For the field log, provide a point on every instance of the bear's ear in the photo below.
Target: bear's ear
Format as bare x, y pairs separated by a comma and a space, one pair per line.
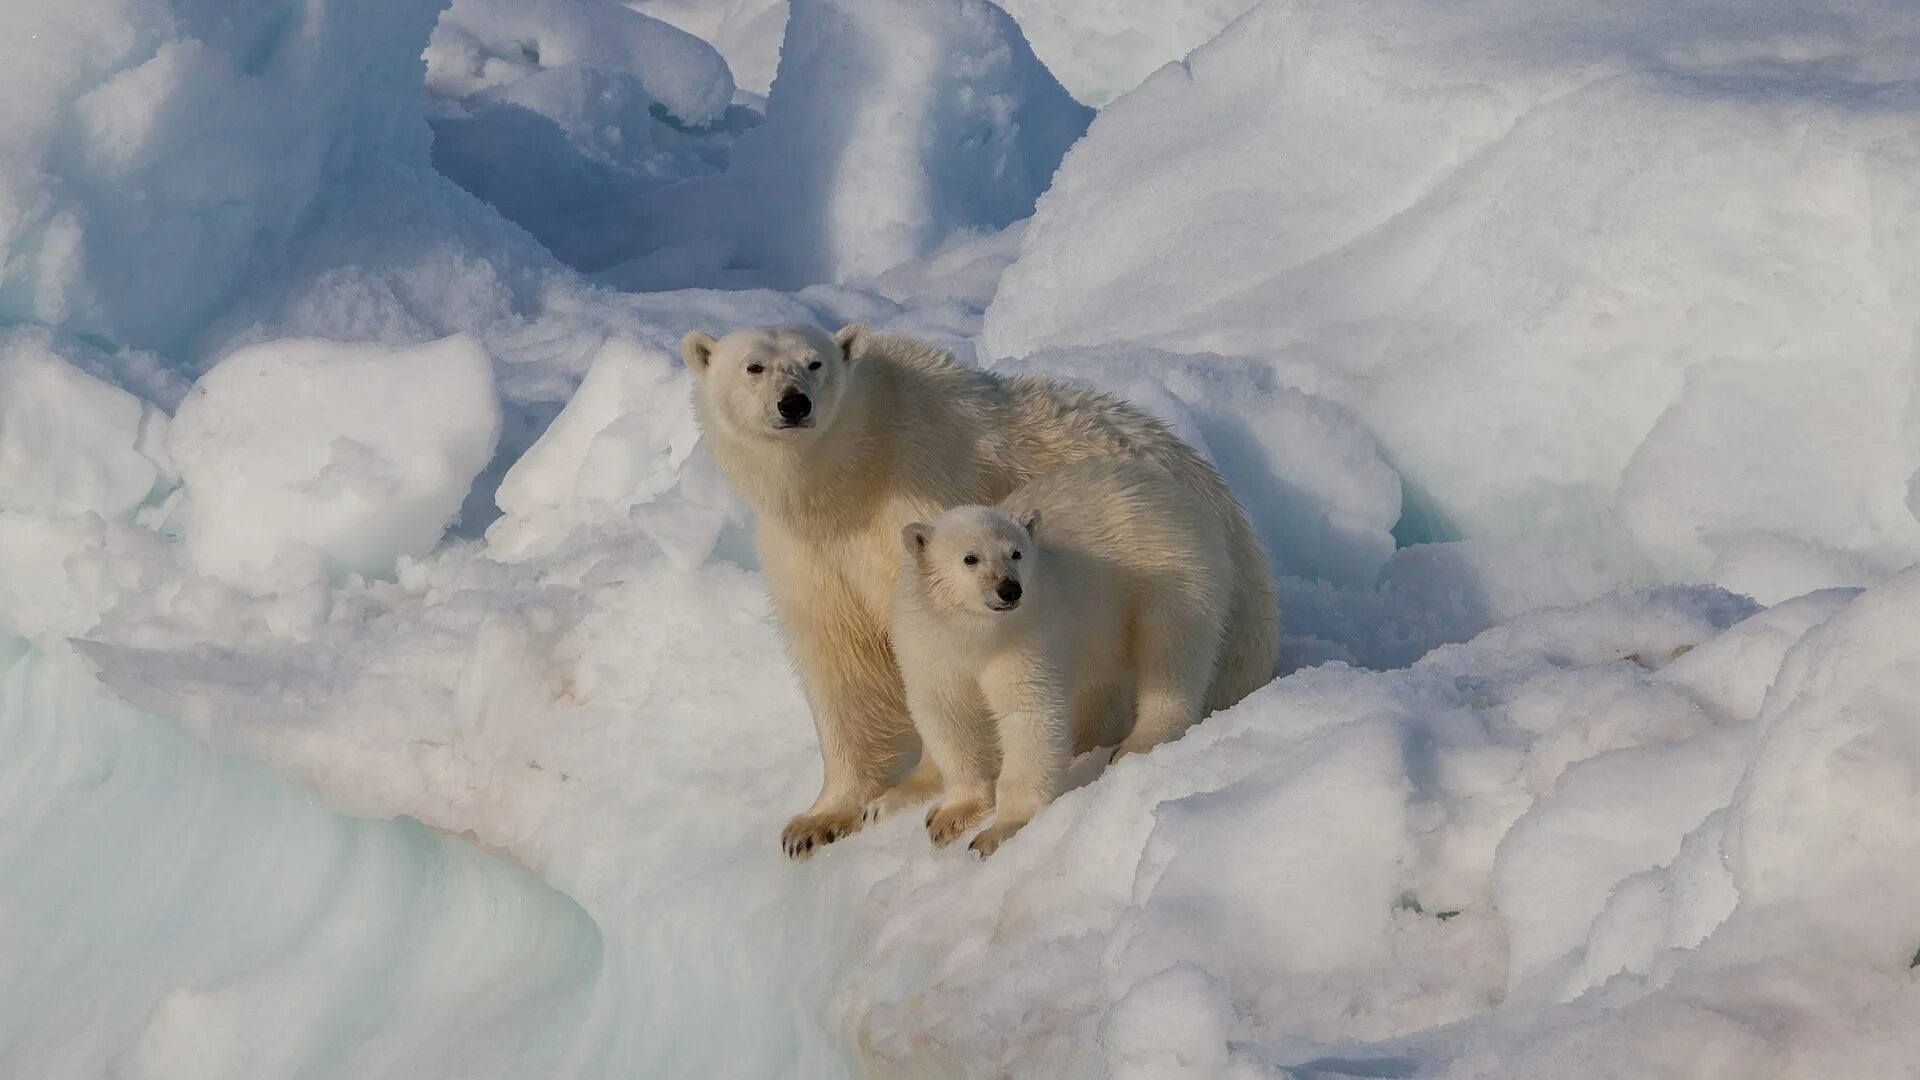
1030, 521
697, 350
845, 338
914, 538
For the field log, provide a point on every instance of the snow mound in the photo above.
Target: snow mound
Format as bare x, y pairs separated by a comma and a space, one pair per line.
611, 458
1562, 272
487, 44
69, 442
1101, 49
558, 113
747, 33
160, 154
297, 453
892, 125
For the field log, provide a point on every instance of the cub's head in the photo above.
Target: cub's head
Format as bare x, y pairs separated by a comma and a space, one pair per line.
775, 382
973, 560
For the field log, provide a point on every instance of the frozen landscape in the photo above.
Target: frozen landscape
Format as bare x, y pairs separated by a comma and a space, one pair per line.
387, 681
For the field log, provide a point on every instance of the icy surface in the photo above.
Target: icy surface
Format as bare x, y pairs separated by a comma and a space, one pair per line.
1559, 353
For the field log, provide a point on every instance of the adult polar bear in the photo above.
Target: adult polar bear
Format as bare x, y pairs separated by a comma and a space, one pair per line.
840, 442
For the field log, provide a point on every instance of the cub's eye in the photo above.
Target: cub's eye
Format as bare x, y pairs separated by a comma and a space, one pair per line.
755, 369
815, 366
1015, 556
971, 560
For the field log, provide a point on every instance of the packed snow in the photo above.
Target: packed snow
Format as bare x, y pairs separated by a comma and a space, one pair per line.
387, 681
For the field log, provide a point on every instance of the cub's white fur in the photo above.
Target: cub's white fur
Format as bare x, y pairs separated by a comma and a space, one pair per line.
895, 431
1088, 610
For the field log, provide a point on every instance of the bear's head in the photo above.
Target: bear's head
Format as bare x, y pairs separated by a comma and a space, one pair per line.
774, 382
973, 560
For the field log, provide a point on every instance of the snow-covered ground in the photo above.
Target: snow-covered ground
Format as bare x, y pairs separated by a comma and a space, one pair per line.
387, 687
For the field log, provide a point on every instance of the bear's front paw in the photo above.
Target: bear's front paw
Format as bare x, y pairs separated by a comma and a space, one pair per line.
947, 820
808, 832
993, 836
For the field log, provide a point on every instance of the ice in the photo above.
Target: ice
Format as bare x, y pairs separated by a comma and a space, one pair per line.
1569, 281
296, 454
172, 911
1559, 353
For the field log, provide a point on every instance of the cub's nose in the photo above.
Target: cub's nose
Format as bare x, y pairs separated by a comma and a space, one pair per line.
795, 406
1008, 591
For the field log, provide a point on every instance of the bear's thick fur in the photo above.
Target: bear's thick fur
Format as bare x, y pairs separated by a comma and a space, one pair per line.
877, 431
1089, 609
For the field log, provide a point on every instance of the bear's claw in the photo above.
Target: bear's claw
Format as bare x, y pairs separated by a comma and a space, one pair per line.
991, 838
947, 820
807, 832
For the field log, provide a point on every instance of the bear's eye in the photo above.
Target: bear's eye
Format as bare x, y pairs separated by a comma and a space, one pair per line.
1015, 556
815, 366
971, 560
755, 369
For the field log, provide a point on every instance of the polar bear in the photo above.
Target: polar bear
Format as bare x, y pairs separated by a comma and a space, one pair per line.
840, 441
1088, 609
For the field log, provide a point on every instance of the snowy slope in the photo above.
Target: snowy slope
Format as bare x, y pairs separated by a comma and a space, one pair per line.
387, 687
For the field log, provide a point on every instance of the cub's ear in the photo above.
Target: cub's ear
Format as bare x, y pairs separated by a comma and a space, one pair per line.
697, 350
914, 538
846, 337
1030, 521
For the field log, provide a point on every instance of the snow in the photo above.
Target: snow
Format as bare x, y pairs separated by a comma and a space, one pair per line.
388, 685
294, 452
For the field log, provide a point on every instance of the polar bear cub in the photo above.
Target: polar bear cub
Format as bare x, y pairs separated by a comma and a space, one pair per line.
1088, 609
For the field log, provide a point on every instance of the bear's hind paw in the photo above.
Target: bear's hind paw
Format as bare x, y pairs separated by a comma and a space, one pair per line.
947, 820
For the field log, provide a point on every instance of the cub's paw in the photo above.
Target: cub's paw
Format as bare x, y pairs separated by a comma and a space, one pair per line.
893, 801
951, 817
809, 832
1125, 749
993, 836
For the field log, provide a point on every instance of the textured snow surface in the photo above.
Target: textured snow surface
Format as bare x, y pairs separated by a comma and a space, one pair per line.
387, 682
1628, 269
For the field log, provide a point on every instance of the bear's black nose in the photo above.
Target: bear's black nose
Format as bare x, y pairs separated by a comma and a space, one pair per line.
1008, 591
795, 406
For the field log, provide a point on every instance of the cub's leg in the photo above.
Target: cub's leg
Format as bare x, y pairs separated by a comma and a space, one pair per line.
957, 734
1030, 706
